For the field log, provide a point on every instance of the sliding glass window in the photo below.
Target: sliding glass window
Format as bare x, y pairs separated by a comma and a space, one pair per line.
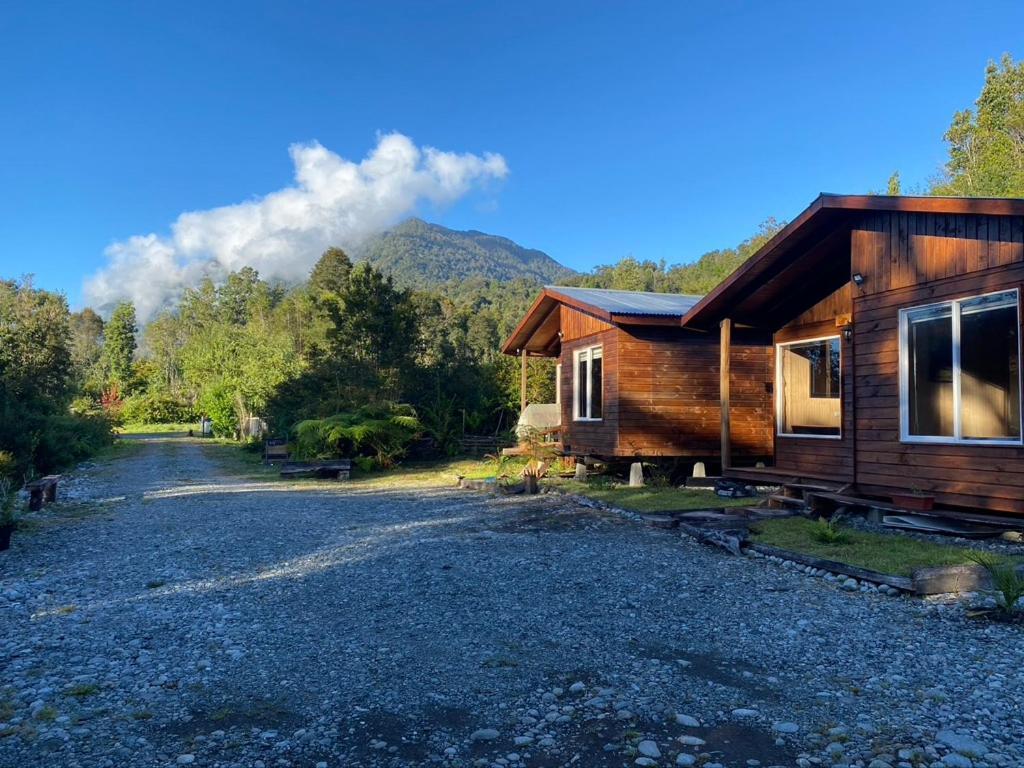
960, 371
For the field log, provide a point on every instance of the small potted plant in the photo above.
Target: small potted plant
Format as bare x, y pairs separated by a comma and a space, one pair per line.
915, 499
7, 519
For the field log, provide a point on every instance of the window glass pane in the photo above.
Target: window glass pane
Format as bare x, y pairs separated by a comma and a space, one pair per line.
581, 385
930, 363
809, 402
595, 387
989, 375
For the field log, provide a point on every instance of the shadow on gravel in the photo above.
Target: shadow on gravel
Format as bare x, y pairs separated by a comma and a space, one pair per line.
711, 667
602, 743
265, 714
555, 521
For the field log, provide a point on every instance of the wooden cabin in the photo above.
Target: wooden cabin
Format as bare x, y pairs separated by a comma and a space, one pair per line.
632, 382
895, 347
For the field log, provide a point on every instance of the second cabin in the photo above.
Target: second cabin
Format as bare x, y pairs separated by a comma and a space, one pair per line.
631, 382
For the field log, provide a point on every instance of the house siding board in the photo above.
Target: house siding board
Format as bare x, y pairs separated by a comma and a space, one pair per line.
598, 438
661, 395
943, 257
576, 324
821, 456
669, 395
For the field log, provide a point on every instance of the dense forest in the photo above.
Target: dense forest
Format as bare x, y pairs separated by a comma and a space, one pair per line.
401, 340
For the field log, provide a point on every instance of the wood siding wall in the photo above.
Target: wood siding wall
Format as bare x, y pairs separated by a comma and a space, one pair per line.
579, 325
599, 438
910, 260
814, 455
661, 392
669, 394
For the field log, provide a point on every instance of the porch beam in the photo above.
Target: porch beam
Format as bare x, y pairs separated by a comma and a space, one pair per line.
725, 351
522, 381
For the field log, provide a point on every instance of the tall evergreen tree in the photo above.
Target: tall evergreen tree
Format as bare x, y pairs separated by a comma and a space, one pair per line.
119, 344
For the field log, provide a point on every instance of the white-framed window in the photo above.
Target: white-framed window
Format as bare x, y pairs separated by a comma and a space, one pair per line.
587, 385
808, 388
558, 384
960, 371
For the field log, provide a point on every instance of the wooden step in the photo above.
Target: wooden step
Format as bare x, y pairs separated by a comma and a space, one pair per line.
787, 500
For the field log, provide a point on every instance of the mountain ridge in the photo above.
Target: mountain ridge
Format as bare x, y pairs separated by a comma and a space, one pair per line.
419, 253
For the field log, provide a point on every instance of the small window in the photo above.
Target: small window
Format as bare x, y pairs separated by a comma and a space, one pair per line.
960, 371
809, 402
587, 385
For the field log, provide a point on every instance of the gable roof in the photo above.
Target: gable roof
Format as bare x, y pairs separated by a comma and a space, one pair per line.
613, 307
634, 303
816, 245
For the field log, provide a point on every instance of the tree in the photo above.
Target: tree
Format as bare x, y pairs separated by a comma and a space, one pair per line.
36, 383
373, 327
986, 145
330, 273
893, 188
119, 344
87, 350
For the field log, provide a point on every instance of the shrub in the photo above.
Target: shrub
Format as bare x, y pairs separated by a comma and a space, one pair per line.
156, 408
383, 432
219, 405
64, 440
8, 495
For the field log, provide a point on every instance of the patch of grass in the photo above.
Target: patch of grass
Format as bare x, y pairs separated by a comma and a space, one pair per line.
66, 610
894, 554
652, 499
83, 690
142, 714
512, 466
46, 715
137, 428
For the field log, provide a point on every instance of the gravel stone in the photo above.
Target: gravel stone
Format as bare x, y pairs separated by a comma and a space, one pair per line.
168, 606
648, 748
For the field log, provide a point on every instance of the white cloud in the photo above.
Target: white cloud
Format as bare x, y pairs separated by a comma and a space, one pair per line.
333, 201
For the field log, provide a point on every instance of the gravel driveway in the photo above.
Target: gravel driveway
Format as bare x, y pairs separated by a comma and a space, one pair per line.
178, 615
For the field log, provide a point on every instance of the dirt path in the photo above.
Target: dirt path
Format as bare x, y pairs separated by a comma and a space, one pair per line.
171, 613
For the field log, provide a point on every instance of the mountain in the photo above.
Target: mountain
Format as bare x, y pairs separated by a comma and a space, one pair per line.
419, 253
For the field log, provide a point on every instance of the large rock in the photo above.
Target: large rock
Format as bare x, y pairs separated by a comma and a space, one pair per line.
965, 745
648, 748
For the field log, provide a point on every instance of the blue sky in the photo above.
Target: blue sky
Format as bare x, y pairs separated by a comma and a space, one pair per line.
661, 130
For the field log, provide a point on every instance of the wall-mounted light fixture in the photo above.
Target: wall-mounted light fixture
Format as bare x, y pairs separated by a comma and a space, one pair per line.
858, 279
848, 332
559, 334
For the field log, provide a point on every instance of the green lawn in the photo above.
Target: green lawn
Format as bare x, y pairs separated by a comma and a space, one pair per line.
894, 554
653, 499
156, 429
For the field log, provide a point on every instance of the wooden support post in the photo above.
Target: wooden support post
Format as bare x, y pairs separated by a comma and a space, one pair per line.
726, 345
522, 382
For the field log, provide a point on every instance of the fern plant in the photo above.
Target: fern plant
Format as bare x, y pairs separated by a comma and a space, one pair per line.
383, 432
829, 531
